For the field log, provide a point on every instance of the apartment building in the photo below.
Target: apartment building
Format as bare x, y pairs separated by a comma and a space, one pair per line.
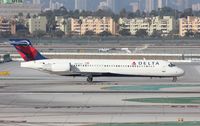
164, 24
7, 25
38, 23
189, 24
95, 24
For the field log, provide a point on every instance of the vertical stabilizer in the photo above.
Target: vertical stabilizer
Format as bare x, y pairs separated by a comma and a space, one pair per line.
26, 50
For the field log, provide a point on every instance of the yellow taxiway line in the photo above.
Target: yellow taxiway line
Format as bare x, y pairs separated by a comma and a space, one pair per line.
4, 73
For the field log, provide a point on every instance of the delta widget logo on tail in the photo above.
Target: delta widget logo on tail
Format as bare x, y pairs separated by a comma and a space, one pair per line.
26, 50
20, 42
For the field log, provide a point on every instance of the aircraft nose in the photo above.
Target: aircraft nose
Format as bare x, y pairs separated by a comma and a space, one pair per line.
180, 72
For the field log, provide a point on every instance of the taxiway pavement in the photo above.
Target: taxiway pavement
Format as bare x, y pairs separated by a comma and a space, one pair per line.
32, 98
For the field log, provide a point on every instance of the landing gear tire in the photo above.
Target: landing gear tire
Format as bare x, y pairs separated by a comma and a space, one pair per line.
174, 79
90, 79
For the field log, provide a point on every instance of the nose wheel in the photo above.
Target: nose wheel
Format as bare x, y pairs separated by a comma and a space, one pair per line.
174, 79
90, 79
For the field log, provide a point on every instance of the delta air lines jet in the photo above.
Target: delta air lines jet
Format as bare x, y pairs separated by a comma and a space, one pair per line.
94, 67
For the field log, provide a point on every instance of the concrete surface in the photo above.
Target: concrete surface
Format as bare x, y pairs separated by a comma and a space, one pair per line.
32, 98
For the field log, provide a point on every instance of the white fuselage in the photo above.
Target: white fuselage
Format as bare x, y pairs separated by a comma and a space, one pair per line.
104, 67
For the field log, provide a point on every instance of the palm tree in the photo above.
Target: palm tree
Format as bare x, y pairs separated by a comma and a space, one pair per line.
150, 23
51, 24
80, 22
64, 23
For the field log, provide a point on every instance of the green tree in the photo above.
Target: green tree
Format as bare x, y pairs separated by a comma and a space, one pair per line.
143, 14
59, 34
187, 12
39, 33
63, 11
156, 34
34, 16
141, 33
125, 32
80, 22
123, 13
16, 16
5, 34
131, 15
189, 34
138, 13
64, 23
89, 33
173, 33
22, 32
28, 16
76, 14
167, 11
153, 13
105, 33
20, 14
51, 23
115, 17
197, 35
86, 13
103, 13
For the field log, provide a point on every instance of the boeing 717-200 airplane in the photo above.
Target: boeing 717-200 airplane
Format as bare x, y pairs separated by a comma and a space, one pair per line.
94, 67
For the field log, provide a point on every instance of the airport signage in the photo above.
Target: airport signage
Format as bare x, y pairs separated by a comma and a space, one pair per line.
11, 1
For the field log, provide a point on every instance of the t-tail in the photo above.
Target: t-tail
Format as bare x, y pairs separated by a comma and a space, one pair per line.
26, 50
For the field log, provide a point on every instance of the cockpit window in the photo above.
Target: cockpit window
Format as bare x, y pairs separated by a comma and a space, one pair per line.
171, 65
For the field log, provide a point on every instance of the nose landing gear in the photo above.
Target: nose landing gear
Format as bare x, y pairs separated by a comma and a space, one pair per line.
174, 79
90, 79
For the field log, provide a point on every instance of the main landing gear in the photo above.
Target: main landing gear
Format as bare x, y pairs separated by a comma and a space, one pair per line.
174, 79
90, 79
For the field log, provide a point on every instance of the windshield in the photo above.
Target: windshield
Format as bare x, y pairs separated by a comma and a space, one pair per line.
171, 65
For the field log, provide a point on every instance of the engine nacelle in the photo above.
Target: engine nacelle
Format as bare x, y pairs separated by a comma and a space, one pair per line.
58, 67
